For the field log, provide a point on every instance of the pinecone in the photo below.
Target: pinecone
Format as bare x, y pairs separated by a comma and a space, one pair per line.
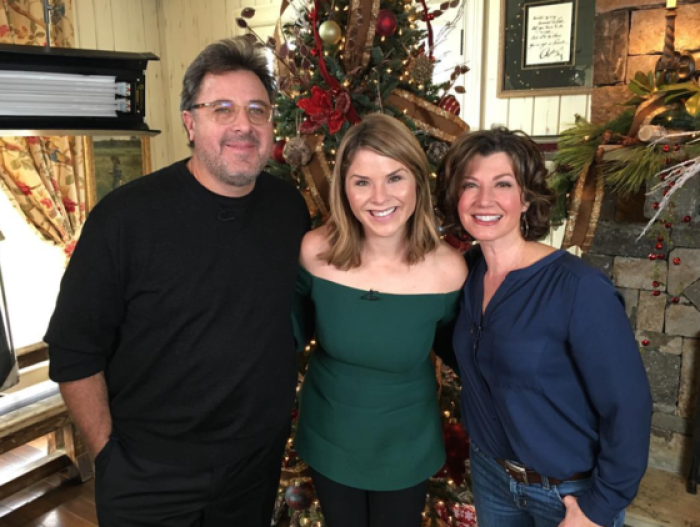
296, 152
437, 151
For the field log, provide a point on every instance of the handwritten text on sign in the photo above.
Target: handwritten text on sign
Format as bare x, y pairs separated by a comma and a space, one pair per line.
549, 34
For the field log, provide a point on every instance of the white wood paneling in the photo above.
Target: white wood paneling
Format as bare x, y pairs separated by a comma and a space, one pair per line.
130, 25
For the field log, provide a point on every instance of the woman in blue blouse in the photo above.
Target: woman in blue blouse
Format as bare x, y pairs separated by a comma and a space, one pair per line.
555, 396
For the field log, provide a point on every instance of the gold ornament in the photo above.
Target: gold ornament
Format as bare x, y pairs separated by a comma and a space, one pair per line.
330, 32
421, 69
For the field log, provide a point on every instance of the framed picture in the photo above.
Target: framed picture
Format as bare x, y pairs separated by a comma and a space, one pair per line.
546, 47
112, 161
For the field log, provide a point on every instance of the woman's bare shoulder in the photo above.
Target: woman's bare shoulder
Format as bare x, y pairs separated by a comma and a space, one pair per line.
450, 266
314, 243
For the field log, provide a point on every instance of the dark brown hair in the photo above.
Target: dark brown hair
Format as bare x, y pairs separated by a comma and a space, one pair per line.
528, 167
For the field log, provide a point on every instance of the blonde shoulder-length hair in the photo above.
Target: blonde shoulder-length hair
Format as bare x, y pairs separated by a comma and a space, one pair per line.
390, 138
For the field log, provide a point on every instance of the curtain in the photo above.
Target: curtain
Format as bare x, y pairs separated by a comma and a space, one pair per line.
45, 176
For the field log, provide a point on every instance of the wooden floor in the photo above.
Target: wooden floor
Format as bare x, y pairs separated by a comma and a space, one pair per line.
58, 502
53, 502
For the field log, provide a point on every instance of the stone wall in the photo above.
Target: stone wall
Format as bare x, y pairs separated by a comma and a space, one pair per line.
662, 295
629, 37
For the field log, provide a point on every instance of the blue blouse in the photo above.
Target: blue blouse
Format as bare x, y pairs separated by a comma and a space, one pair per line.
552, 377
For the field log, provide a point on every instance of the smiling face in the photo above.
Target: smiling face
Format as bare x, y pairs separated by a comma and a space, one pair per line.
381, 193
232, 155
491, 202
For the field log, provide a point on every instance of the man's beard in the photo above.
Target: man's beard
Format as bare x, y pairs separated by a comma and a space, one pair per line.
236, 176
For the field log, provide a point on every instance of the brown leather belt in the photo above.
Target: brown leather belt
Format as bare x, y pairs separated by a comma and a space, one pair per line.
525, 475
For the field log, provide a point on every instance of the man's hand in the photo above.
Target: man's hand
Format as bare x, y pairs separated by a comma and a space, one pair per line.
574, 516
88, 403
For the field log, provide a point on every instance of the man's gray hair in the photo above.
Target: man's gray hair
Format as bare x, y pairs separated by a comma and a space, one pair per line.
231, 54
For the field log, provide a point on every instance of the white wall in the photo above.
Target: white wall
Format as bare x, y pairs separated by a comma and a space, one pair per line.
132, 25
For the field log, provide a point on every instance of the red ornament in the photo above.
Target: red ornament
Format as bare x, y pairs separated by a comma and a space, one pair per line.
386, 23
659, 238
668, 224
457, 450
655, 205
655, 283
450, 104
676, 147
666, 148
652, 256
299, 496
671, 184
675, 299
314, 52
660, 256
676, 261
277, 151
686, 219
663, 177
659, 246
645, 342
666, 191
656, 293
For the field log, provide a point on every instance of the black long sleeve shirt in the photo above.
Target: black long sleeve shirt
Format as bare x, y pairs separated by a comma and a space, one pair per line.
183, 299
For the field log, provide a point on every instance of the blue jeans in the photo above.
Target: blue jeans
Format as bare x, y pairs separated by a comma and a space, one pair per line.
500, 501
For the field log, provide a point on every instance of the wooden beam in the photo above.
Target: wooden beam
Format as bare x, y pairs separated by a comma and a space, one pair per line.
34, 472
32, 421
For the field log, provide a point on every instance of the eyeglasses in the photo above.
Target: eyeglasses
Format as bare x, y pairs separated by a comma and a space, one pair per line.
225, 112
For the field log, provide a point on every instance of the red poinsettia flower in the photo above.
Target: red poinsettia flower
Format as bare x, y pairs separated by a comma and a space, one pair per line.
69, 204
24, 188
4, 30
321, 110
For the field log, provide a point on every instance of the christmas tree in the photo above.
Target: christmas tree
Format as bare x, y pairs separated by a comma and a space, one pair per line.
336, 61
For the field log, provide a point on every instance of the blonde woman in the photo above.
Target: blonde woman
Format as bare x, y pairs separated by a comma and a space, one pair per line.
377, 283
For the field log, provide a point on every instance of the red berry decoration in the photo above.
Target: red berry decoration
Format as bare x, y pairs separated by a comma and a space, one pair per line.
659, 246
656, 293
667, 148
675, 299
645, 342
386, 23
655, 205
676, 147
660, 256
659, 238
668, 224
686, 219
671, 184
663, 177
655, 283
676, 261
450, 104
277, 150
652, 256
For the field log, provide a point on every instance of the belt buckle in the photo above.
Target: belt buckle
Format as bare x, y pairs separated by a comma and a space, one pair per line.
519, 469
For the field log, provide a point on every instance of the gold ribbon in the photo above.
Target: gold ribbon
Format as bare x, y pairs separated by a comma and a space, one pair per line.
586, 201
362, 24
427, 116
317, 174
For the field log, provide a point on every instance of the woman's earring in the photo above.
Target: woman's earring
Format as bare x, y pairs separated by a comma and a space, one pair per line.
524, 225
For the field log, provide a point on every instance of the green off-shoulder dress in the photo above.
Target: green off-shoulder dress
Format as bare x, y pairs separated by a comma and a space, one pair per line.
369, 414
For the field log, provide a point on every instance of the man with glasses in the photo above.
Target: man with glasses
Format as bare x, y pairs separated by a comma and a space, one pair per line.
172, 338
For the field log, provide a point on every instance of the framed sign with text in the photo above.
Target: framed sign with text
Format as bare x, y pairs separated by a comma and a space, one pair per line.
546, 47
